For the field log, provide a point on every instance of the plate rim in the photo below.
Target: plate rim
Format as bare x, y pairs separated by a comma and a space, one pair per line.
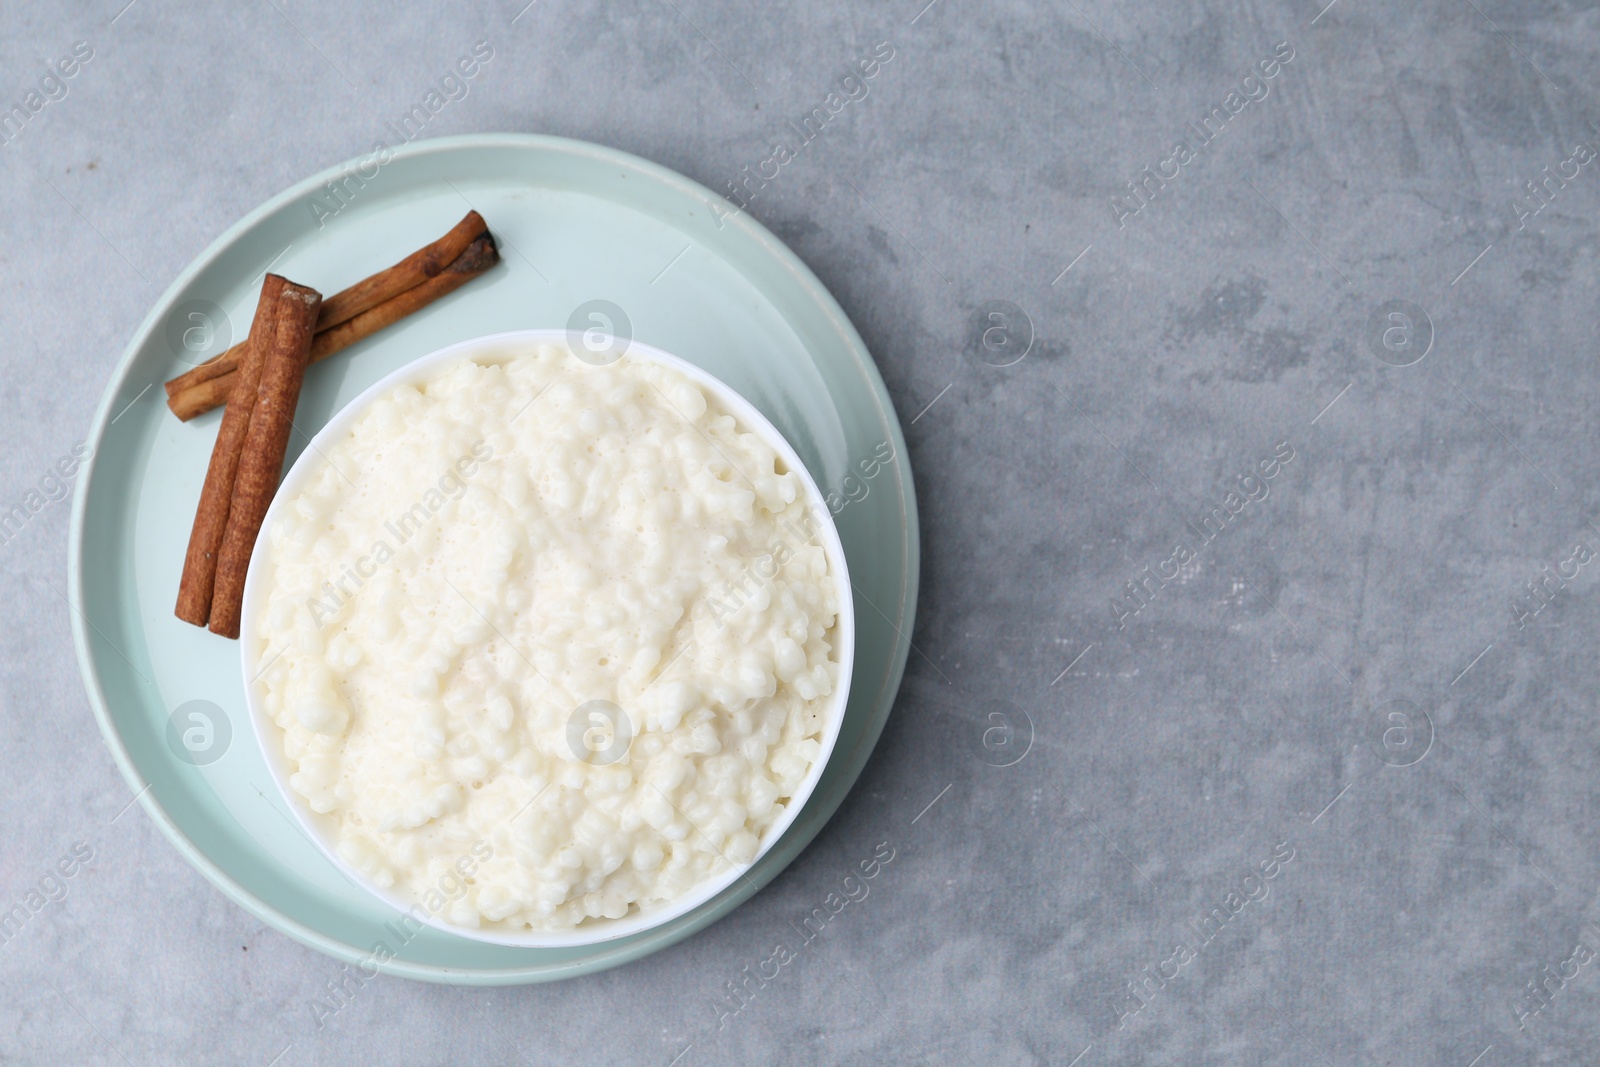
616, 954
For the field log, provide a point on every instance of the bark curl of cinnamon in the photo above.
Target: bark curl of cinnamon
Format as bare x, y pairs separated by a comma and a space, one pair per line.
357, 312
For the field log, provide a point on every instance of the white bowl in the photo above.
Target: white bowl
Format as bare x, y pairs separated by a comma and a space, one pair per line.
499, 348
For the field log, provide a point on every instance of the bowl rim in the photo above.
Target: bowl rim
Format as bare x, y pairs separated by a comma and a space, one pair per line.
497, 348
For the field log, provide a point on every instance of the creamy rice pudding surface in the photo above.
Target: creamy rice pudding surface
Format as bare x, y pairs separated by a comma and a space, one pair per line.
553, 641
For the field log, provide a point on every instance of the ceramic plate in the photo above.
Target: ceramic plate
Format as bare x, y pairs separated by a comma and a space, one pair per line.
578, 224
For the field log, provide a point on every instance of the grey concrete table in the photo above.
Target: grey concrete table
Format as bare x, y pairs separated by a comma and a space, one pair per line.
1250, 718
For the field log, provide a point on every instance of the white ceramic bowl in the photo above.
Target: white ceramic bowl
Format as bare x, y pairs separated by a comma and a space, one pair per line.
499, 348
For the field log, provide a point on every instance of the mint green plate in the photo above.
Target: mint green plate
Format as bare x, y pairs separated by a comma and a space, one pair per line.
576, 223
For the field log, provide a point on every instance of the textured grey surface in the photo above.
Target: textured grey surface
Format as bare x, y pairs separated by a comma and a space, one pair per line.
1443, 862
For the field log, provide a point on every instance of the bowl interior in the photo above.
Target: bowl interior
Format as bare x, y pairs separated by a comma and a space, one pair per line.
499, 348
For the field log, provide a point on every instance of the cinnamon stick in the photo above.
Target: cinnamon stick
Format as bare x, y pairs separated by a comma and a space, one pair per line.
265, 443
224, 363
199, 399
418, 267
196, 398
211, 517
478, 257
409, 273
